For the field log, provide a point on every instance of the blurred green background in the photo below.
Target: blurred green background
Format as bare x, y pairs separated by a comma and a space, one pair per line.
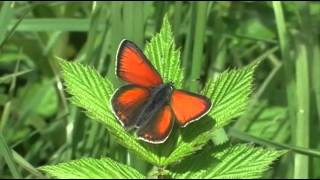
39, 126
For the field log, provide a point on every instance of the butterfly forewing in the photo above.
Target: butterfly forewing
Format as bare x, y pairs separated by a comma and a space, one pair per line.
127, 103
133, 67
188, 106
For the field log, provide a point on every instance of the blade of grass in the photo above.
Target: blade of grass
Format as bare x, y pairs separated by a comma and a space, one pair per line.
4, 148
98, 133
303, 50
54, 47
27, 6
161, 10
7, 154
284, 48
93, 133
53, 24
271, 41
24, 139
95, 51
26, 165
302, 133
254, 139
314, 49
9, 76
289, 70
106, 39
243, 122
199, 35
268, 80
316, 74
5, 115
96, 47
186, 63
117, 36
201, 13
177, 16
133, 22
217, 45
7, 107
13, 29
6, 14
218, 58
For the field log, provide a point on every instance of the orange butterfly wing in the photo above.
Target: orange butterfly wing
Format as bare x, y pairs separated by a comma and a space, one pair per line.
127, 103
133, 66
188, 107
158, 129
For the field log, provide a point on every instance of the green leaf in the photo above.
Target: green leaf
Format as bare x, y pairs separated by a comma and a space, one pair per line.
234, 162
90, 168
229, 93
185, 149
162, 53
191, 140
92, 92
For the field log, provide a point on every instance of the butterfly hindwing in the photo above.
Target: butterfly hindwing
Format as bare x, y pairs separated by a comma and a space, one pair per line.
133, 67
127, 103
188, 106
159, 127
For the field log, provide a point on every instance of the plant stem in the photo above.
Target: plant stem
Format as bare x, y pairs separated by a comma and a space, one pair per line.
304, 51
197, 55
188, 45
302, 132
288, 66
316, 74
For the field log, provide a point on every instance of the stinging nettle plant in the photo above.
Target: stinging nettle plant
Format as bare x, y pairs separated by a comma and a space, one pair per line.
188, 153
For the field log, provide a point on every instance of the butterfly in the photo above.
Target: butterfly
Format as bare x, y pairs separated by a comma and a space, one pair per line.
146, 103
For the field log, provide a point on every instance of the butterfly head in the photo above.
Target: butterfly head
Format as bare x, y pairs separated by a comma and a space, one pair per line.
170, 84
167, 89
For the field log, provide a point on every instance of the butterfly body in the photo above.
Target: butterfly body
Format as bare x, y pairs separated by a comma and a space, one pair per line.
147, 103
160, 96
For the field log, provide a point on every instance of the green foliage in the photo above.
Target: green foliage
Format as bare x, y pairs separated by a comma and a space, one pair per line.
39, 126
89, 168
229, 94
234, 162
